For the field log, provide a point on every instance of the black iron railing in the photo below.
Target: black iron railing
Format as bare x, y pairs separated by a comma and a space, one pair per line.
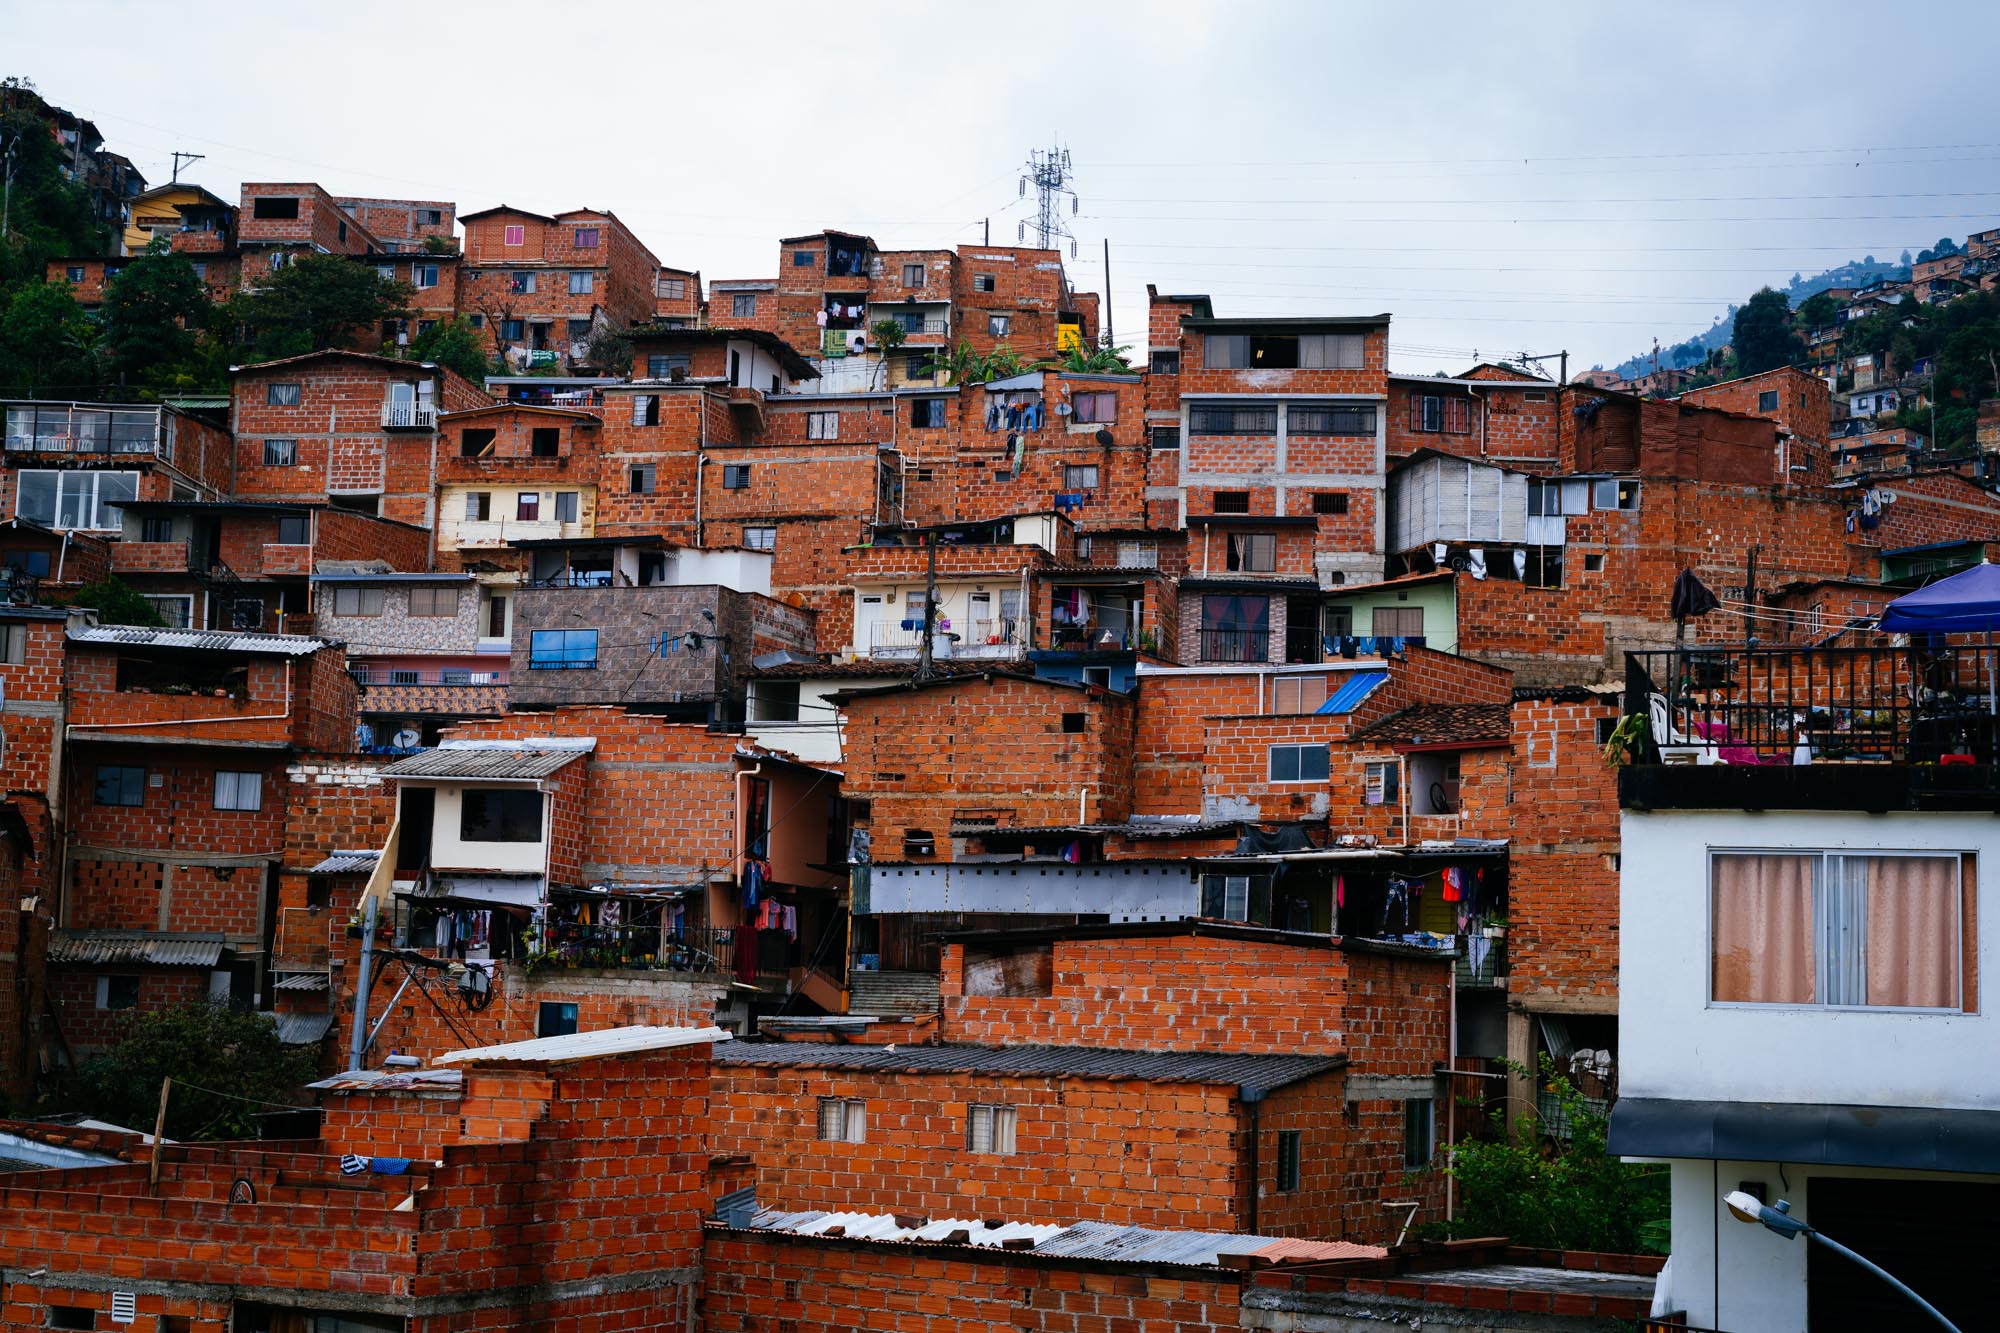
1235, 645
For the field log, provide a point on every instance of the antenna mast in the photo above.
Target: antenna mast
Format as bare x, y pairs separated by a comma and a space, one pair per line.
1050, 172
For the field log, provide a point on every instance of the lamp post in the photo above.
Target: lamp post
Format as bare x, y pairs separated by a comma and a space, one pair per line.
1778, 1217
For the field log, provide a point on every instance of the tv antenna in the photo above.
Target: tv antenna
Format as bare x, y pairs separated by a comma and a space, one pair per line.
1051, 174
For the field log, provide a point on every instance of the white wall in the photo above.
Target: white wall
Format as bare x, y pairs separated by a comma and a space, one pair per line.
1673, 1043
818, 734
745, 571
451, 852
756, 366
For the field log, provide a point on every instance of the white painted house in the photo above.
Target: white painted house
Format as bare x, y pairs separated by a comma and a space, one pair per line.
1802, 1016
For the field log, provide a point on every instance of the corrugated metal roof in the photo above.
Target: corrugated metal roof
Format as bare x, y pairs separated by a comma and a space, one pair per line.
347, 863
1082, 1240
527, 760
302, 1029
883, 1226
1257, 1072
392, 1080
1357, 686
152, 947
217, 641
301, 981
587, 1046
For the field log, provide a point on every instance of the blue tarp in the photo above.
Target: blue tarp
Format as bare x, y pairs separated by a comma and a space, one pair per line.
1348, 695
1966, 603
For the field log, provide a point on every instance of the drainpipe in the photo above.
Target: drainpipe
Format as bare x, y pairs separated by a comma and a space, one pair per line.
701, 472
1485, 422
62, 556
1253, 1099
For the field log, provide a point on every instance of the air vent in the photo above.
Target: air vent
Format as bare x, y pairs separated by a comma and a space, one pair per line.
124, 1307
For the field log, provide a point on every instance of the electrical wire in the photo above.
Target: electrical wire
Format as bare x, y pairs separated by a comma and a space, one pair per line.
239, 1097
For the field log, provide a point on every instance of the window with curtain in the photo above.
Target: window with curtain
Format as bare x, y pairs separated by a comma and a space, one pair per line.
1877, 931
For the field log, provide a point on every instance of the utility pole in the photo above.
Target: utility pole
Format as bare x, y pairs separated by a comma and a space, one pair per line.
7, 190
192, 158
1110, 333
1050, 171
926, 669
989, 231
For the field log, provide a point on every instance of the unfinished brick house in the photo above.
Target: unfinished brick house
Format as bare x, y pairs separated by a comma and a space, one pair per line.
345, 429
542, 285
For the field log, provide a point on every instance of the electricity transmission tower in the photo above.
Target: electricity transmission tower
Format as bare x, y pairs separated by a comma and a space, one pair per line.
1051, 175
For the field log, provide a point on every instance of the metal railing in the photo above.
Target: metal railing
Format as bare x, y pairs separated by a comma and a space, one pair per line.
704, 949
1235, 645
1482, 962
426, 676
998, 637
1756, 705
933, 326
409, 416
71, 428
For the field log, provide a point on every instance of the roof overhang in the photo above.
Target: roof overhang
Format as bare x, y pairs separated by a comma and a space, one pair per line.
1907, 1138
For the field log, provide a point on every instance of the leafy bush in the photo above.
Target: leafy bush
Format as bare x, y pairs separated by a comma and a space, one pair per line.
208, 1050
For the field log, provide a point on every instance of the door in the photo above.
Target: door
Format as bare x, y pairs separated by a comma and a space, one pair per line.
419, 813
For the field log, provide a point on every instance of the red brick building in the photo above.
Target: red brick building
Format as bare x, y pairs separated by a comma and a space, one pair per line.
542, 285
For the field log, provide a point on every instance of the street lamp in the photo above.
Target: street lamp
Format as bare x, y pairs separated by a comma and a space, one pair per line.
1778, 1217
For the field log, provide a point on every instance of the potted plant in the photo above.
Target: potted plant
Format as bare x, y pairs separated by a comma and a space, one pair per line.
1495, 929
1627, 742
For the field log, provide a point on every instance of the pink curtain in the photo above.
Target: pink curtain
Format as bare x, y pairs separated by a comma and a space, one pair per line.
1763, 934
1913, 948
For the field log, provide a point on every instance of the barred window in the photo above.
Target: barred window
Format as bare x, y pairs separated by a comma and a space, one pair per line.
1357, 419
842, 1120
990, 1129
1230, 419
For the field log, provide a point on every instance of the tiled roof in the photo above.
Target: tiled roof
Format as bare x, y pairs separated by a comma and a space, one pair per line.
434, 700
1443, 724
151, 947
1261, 1072
218, 641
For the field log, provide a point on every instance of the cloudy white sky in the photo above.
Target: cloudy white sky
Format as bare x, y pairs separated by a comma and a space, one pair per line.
1503, 178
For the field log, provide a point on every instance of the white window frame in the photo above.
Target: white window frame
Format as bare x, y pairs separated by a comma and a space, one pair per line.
514, 233
71, 482
822, 425
237, 789
841, 1120
990, 1129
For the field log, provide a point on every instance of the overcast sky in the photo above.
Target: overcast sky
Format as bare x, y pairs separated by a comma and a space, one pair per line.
1501, 178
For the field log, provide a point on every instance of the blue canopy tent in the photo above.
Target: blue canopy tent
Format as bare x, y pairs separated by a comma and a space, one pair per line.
1966, 603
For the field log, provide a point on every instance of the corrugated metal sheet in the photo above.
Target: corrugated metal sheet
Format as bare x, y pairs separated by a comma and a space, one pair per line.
218, 641
883, 1226
1083, 1240
153, 948
1354, 687
1261, 1072
587, 1045
301, 981
347, 863
302, 1029
392, 1080
525, 761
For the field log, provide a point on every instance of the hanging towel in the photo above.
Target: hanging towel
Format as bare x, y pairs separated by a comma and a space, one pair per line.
389, 1166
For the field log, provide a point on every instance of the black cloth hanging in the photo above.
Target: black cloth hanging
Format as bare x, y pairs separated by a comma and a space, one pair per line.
1691, 597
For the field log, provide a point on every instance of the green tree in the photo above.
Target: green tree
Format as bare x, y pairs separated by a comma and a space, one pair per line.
314, 303
1558, 1192
227, 1065
49, 217
1818, 310
455, 345
153, 312
116, 603
46, 341
1763, 335
1101, 360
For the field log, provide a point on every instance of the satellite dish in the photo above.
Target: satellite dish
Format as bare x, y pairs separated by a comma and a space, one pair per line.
406, 739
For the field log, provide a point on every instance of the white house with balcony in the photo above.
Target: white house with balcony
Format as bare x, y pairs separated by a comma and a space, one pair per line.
1806, 986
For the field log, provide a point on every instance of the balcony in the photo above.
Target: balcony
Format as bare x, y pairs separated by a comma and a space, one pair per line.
1091, 637
409, 416
969, 641
490, 532
386, 675
704, 950
73, 428
916, 328
1235, 645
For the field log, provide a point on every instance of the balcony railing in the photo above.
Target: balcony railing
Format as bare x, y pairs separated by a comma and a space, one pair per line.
1781, 705
997, 639
70, 428
702, 949
500, 531
409, 416
1235, 645
931, 326
382, 675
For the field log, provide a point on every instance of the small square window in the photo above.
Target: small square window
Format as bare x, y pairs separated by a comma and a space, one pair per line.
75, 272
1165, 439
990, 1129
568, 506
294, 530
804, 258
1593, 564
842, 1120
645, 409
998, 325
586, 238
671, 289
1288, 1160
239, 791
582, 284
983, 282
736, 477
357, 601
544, 441
927, 413
555, 1018
433, 602
1329, 502
522, 282
514, 234
1073, 723
1080, 477
112, 993
1298, 763
579, 330
281, 395
1767, 401
1166, 362
121, 784
822, 425
513, 330
913, 275
1232, 502
1094, 409
477, 442
643, 477
281, 453
761, 538
743, 305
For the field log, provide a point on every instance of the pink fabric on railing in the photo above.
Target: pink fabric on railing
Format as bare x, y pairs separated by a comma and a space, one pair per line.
1730, 752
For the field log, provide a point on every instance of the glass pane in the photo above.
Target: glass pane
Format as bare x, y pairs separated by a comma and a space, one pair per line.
1911, 929
1763, 928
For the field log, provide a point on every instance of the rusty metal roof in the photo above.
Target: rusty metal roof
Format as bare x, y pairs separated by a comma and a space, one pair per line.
1444, 724
150, 947
1255, 1073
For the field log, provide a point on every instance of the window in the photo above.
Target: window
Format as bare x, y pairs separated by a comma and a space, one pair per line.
1297, 694
1237, 898
1767, 401
1593, 564
121, 784
1298, 763
804, 258
514, 234
156, 528
643, 478
997, 325
913, 275
74, 272
281, 395
513, 330
1166, 438
555, 1018
735, 476
528, 506
1139, 554
663, 367
357, 601
645, 409
764, 538
1436, 414
521, 282
430, 601
1812, 928
247, 613
478, 506
1544, 498
1100, 409
425, 326
476, 320
281, 453
1083, 548
671, 289
82, 499
13, 644
239, 791
430, 217
1536, 396
1419, 1132
477, 442
1320, 351
1381, 783
1359, 420
1252, 552
927, 412
989, 1129
1614, 493
1235, 628
426, 275
822, 425
1288, 1161
569, 505
112, 993
562, 650
496, 616
500, 814
544, 441
983, 282
1166, 362
342, 229
1329, 502
1227, 419
743, 305
579, 330
274, 208
1398, 622
294, 530
1231, 502
842, 1121
582, 284
1080, 477
586, 238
